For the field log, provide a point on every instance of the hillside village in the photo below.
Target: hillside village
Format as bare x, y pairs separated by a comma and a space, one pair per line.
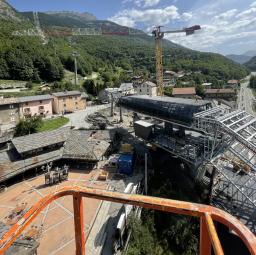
114, 140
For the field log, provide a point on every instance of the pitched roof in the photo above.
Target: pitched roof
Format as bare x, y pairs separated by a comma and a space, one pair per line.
126, 86
232, 81
184, 91
34, 98
220, 91
81, 144
39, 140
66, 93
149, 83
6, 101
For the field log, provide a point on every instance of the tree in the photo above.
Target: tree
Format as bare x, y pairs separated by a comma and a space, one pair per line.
253, 82
28, 126
29, 85
4, 70
168, 91
200, 90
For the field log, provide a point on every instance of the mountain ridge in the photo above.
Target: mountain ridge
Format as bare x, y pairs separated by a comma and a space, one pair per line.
241, 59
251, 64
29, 58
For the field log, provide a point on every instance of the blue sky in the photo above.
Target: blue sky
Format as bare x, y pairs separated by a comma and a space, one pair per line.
228, 26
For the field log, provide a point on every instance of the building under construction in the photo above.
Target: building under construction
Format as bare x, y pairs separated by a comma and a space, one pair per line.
219, 146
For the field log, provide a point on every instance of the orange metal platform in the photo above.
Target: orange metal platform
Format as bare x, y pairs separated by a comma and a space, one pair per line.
207, 214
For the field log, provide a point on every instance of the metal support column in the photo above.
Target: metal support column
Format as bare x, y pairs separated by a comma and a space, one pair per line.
79, 225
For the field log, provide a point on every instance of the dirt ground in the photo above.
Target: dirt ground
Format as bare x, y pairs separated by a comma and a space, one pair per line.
55, 225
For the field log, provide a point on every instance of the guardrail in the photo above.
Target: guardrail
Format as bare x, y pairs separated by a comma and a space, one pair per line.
207, 214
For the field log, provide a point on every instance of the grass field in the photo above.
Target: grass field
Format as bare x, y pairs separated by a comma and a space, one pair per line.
53, 124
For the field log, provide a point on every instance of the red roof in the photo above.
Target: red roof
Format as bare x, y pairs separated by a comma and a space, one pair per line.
183, 91
233, 82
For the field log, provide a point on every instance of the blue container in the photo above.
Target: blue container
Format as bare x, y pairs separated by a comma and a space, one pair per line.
125, 164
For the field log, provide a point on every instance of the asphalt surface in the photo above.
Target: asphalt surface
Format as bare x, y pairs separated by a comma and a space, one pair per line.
245, 97
78, 119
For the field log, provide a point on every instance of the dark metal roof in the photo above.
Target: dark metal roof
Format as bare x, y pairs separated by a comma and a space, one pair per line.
39, 140
34, 98
179, 110
66, 93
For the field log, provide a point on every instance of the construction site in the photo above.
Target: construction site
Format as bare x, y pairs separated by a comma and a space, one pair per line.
72, 191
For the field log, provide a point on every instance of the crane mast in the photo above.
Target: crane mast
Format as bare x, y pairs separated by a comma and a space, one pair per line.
159, 59
159, 35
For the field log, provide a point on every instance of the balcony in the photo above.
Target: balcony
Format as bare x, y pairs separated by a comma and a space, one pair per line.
208, 216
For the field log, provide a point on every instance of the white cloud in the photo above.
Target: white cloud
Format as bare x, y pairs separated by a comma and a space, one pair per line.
186, 16
221, 32
224, 28
143, 3
226, 15
150, 17
253, 4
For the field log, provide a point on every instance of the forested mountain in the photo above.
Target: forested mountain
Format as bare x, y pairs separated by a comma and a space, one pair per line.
7, 11
251, 64
29, 58
241, 59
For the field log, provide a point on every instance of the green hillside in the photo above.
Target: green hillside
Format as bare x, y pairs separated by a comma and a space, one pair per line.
251, 64
28, 58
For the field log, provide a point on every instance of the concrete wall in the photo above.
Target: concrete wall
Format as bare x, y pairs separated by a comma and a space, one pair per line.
43, 108
68, 104
9, 114
144, 89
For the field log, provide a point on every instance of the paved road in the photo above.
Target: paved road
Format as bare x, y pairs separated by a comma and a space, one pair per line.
245, 97
77, 119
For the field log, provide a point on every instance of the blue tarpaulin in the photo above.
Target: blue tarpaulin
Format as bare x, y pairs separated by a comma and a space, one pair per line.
125, 164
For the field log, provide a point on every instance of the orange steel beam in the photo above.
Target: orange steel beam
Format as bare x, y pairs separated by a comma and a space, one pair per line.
79, 224
214, 236
206, 213
205, 240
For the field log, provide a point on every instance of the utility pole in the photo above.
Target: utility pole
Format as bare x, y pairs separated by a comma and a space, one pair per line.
146, 174
112, 105
75, 55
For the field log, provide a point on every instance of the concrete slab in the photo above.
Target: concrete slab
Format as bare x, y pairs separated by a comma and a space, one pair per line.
56, 221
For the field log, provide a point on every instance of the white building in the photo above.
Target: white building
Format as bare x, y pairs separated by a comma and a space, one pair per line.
127, 89
147, 88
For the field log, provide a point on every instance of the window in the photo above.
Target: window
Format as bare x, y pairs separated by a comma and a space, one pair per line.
11, 106
12, 119
71, 98
26, 103
76, 103
40, 101
64, 105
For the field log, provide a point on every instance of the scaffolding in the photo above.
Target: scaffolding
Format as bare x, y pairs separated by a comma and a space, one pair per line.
234, 161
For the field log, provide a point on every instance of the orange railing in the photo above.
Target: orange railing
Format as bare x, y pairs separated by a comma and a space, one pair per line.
207, 214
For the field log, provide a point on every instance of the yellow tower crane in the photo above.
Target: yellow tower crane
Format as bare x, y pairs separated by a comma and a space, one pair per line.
159, 35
